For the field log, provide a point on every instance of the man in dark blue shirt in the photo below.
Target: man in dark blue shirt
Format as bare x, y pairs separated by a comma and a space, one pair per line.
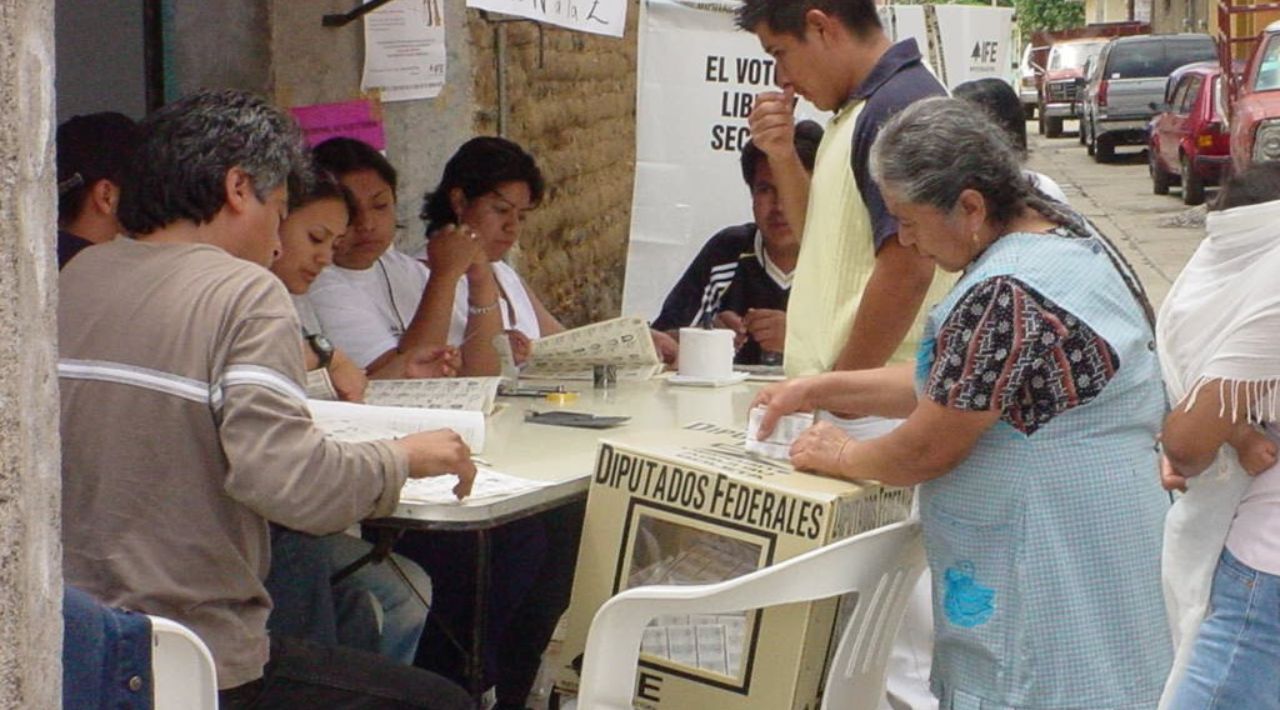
92, 153
741, 279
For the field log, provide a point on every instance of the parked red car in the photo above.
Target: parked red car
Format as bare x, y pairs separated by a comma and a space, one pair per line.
1255, 115
1188, 141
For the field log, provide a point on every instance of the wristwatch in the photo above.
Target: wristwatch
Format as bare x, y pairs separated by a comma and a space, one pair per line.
321, 346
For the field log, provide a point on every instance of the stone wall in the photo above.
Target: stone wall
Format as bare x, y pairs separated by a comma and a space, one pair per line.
568, 97
30, 551
570, 100
313, 64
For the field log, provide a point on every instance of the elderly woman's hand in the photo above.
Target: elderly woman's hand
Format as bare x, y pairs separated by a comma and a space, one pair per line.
820, 449
780, 400
451, 250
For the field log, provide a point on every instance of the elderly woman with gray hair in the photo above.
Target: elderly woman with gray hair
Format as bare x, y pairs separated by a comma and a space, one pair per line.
1031, 421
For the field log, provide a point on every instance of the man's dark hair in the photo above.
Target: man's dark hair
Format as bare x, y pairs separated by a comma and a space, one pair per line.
342, 156
91, 147
808, 136
1254, 185
999, 100
479, 167
787, 16
180, 169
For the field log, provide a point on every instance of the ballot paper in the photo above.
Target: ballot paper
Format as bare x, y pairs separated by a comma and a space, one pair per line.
346, 421
488, 484
622, 342
320, 385
470, 393
778, 444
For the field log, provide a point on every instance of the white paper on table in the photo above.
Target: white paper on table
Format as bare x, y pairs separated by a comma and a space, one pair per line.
488, 484
625, 343
404, 50
346, 421
778, 444
471, 393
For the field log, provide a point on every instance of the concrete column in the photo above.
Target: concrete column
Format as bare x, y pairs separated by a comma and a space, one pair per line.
30, 549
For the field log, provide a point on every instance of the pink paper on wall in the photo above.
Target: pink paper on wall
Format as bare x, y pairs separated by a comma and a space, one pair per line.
360, 119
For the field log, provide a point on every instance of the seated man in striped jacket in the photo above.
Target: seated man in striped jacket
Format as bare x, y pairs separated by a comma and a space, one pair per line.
742, 277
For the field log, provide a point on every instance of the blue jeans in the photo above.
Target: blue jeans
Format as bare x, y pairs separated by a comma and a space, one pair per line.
1235, 663
403, 614
371, 610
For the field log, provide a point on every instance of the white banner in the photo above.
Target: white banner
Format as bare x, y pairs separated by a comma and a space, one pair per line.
602, 17
698, 77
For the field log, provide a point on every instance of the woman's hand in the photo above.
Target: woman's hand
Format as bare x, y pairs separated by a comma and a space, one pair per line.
1171, 480
780, 400
820, 449
348, 379
451, 250
1256, 451
432, 361
521, 346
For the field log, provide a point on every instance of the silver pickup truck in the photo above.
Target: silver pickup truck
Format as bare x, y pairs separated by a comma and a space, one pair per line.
1126, 87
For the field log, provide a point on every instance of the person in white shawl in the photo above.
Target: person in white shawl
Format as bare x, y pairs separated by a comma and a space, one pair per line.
1219, 346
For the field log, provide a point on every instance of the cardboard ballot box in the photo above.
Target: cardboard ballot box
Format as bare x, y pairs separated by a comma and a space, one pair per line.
691, 506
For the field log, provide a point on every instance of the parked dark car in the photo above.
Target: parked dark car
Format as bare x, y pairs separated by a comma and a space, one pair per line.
1189, 142
1129, 77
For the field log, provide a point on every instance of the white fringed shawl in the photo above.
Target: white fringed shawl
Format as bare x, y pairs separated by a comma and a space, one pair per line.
1221, 321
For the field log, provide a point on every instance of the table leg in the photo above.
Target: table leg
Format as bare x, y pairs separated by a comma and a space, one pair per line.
475, 664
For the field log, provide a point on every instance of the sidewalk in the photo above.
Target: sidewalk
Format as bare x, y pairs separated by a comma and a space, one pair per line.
1117, 197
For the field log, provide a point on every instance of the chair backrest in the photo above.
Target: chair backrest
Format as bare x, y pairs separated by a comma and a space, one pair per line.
182, 668
881, 565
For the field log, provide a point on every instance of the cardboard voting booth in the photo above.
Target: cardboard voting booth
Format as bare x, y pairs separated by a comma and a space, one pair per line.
692, 507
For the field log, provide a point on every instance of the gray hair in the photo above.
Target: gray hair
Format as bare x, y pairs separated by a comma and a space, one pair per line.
180, 169
937, 148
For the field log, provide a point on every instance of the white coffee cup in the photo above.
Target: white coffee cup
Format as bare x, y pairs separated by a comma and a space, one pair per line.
706, 354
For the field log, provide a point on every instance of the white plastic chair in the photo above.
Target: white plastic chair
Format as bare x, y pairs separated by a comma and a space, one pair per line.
882, 565
182, 668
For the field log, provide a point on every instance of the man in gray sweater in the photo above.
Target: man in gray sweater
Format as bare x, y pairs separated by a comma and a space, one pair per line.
184, 420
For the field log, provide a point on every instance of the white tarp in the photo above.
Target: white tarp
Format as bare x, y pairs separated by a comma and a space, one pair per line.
698, 75
602, 17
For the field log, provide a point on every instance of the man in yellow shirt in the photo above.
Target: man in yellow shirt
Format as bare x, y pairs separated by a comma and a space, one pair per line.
858, 293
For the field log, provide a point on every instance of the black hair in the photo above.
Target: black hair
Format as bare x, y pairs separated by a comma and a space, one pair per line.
477, 168
92, 147
180, 168
1254, 185
325, 186
1001, 102
342, 156
788, 16
807, 137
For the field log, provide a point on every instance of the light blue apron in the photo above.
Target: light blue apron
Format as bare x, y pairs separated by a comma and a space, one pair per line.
1045, 549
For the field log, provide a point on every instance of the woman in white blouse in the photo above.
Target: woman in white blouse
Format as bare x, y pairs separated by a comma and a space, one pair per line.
488, 187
